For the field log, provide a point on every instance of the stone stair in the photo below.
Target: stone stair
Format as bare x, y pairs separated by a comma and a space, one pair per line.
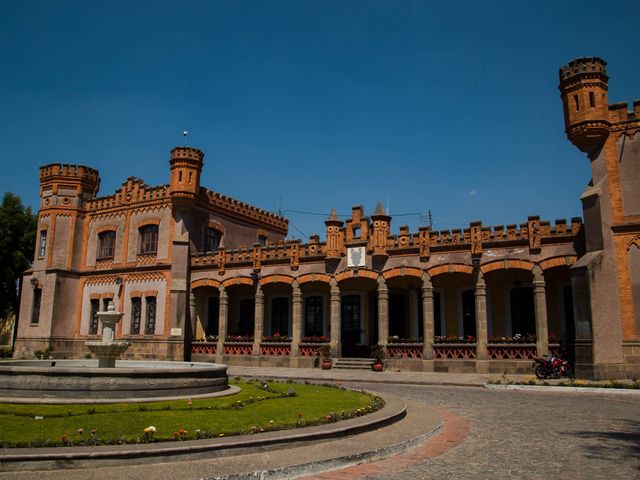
353, 363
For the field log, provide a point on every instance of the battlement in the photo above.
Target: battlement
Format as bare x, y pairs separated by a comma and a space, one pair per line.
79, 177
534, 233
187, 153
620, 112
582, 66
231, 205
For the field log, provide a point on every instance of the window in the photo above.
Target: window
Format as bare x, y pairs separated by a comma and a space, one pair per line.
313, 316
262, 240
93, 317
212, 239
592, 100
106, 244
35, 311
280, 316
136, 314
150, 324
42, 246
575, 99
148, 239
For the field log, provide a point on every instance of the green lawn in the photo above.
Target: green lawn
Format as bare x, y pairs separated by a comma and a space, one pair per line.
279, 406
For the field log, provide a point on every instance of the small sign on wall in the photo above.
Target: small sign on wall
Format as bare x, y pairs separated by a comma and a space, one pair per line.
176, 332
356, 257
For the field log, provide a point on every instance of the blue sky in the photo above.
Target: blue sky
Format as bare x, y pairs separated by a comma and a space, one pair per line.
451, 107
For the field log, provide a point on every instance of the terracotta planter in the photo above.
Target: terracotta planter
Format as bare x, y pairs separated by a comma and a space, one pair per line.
377, 366
326, 364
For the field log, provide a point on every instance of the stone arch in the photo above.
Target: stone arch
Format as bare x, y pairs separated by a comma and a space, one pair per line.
229, 282
268, 279
314, 277
205, 282
450, 268
507, 264
359, 273
563, 261
403, 272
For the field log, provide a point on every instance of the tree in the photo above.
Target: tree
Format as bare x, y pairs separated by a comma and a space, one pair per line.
17, 243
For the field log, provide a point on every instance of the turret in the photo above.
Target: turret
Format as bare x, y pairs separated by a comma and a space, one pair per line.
334, 235
69, 181
583, 89
186, 167
381, 228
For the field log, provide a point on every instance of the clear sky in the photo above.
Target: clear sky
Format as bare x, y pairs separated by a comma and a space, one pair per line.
449, 106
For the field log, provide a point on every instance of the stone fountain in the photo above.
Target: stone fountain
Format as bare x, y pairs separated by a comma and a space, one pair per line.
109, 379
108, 350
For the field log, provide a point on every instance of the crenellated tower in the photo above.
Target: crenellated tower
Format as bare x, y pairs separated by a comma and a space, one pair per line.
186, 167
583, 89
606, 280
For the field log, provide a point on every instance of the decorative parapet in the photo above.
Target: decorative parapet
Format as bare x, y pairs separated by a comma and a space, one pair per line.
242, 209
134, 192
476, 239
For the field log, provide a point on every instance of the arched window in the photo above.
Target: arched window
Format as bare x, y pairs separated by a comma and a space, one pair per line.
106, 244
212, 239
148, 239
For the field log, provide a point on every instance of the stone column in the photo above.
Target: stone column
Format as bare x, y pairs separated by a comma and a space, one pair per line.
334, 318
222, 319
482, 352
540, 301
258, 320
296, 318
192, 314
427, 317
383, 311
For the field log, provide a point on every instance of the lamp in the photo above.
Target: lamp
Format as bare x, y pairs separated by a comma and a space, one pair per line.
34, 282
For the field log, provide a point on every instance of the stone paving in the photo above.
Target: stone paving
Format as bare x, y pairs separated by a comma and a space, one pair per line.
526, 435
489, 433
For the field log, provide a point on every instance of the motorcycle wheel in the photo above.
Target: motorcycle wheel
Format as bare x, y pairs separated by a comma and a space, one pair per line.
539, 371
566, 372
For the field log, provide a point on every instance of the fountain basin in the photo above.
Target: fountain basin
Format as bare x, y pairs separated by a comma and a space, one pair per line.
80, 380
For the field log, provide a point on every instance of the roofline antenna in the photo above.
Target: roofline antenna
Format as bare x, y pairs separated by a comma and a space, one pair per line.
185, 134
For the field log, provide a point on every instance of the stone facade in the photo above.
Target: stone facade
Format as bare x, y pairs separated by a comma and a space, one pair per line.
198, 274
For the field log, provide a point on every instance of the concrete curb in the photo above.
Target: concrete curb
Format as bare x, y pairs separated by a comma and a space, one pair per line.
345, 461
549, 388
363, 380
13, 459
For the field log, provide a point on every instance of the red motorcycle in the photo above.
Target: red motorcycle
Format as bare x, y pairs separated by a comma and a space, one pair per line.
551, 366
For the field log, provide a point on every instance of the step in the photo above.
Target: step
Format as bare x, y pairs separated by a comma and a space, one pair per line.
353, 363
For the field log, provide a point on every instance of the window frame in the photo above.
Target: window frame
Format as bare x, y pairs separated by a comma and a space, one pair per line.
217, 237
104, 237
148, 239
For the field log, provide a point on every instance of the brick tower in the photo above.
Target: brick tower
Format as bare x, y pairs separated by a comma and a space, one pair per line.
606, 280
186, 166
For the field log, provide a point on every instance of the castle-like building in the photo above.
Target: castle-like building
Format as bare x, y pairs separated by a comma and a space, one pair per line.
200, 275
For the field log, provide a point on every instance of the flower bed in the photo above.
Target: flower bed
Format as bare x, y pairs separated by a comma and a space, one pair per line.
276, 338
454, 339
409, 341
315, 339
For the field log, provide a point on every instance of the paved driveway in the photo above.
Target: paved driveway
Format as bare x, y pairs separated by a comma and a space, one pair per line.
530, 435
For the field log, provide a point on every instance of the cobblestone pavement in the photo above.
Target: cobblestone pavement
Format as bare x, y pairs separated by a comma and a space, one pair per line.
526, 435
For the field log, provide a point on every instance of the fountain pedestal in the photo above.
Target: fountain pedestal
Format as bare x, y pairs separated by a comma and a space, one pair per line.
108, 350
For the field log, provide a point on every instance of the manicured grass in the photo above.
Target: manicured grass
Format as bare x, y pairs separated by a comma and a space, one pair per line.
254, 409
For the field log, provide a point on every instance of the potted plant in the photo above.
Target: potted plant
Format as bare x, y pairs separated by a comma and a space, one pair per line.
325, 352
377, 353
